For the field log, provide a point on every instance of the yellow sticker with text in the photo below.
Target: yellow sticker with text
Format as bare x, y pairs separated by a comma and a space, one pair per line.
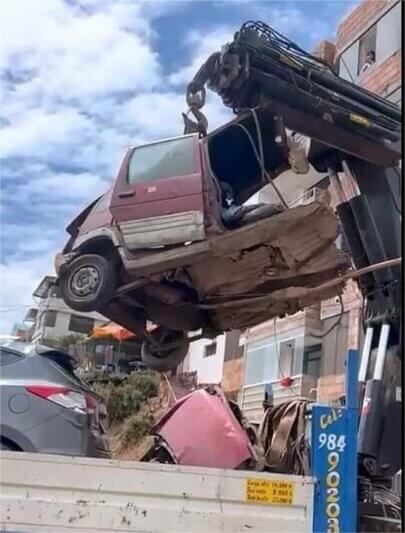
266, 491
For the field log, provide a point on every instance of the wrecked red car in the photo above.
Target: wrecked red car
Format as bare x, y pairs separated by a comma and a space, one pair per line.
173, 242
219, 440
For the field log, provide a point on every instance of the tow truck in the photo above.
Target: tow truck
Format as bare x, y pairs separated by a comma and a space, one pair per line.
353, 136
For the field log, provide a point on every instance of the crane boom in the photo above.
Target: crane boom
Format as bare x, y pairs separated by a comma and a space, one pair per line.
355, 136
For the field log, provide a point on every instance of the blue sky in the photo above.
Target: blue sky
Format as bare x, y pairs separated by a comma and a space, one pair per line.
83, 79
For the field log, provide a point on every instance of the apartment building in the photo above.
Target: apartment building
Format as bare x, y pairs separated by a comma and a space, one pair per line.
216, 361
53, 319
369, 50
205, 360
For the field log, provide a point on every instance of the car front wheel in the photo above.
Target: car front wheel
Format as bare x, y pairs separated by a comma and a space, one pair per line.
88, 283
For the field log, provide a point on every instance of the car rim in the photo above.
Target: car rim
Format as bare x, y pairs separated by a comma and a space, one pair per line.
85, 281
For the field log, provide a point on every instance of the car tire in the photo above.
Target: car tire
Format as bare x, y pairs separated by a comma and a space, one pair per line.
6, 447
88, 283
165, 360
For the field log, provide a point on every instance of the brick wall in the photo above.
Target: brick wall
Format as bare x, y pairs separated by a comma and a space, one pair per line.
232, 376
358, 19
326, 51
352, 300
330, 388
384, 78
355, 329
309, 318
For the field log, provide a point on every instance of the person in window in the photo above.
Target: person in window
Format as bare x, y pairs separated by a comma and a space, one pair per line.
370, 59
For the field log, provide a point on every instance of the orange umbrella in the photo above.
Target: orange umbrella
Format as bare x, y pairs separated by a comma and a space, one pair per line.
115, 331
112, 330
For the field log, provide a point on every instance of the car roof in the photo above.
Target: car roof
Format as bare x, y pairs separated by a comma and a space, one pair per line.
28, 348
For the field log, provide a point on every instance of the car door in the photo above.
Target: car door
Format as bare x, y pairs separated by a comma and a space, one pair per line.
158, 195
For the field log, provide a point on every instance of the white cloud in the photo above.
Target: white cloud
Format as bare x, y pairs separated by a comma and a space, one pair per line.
203, 45
19, 278
158, 115
39, 133
77, 54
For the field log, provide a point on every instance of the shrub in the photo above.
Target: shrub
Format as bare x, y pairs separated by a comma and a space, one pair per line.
123, 401
147, 384
135, 428
102, 388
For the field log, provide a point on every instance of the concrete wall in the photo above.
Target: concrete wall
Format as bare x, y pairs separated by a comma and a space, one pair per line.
209, 369
330, 388
63, 314
232, 377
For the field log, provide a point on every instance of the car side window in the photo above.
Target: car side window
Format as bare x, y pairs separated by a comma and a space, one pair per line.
7, 357
166, 159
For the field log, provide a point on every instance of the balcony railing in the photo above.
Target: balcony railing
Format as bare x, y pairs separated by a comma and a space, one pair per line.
252, 396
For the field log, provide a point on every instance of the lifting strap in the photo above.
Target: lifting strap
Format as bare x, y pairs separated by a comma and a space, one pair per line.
281, 436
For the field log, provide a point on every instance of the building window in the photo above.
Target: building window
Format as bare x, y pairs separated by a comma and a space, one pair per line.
269, 363
255, 365
210, 349
81, 324
286, 357
367, 49
49, 319
313, 360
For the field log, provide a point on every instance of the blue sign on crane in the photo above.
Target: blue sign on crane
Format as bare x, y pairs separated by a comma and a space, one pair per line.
334, 459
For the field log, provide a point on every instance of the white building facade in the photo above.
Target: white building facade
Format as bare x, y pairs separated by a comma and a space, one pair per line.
53, 319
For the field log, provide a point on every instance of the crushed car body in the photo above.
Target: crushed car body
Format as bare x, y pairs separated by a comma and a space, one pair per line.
205, 429
173, 242
201, 430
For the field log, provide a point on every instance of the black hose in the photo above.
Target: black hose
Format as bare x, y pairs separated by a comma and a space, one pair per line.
268, 40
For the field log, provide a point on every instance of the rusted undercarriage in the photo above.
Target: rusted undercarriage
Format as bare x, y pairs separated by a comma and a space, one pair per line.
243, 277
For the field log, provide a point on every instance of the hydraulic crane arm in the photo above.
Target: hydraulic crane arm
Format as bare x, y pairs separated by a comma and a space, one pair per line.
260, 67
353, 132
356, 138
